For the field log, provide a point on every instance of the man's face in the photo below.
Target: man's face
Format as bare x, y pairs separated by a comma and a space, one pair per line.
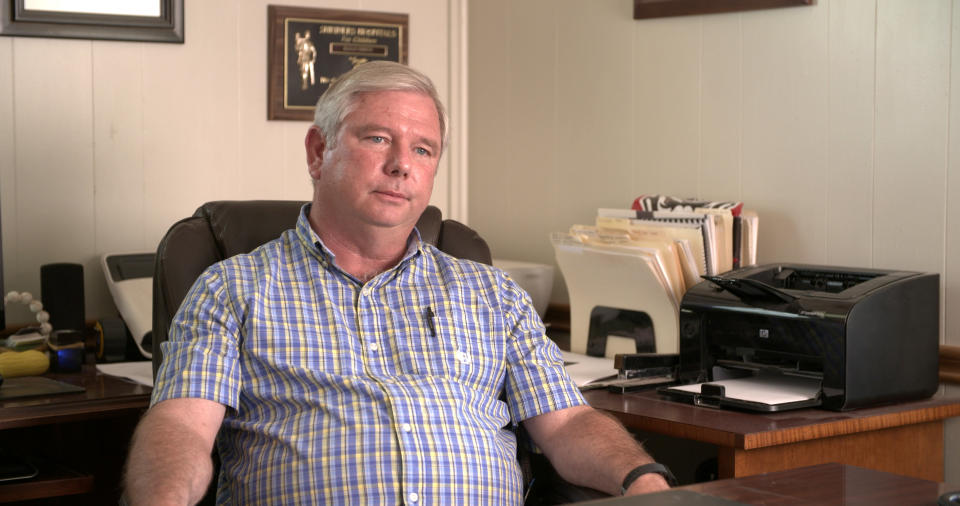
381, 169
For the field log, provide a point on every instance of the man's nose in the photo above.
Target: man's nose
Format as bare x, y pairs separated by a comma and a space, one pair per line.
399, 163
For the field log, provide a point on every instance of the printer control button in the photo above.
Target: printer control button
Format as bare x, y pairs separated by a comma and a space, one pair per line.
690, 328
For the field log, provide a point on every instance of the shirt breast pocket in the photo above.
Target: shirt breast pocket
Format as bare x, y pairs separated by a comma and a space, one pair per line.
464, 344
479, 339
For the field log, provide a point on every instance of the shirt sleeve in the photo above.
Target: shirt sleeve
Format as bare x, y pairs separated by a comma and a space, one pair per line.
200, 358
536, 380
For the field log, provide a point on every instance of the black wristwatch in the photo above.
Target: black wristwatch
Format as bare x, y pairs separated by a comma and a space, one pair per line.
639, 471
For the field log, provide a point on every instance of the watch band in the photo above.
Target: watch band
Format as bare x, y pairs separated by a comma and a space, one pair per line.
639, 471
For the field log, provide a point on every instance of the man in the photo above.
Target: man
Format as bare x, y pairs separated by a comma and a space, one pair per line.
347, 362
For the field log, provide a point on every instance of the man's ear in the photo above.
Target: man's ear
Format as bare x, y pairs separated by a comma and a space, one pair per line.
316, 144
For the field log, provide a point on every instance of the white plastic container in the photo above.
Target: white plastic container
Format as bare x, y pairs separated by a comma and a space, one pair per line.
536, 279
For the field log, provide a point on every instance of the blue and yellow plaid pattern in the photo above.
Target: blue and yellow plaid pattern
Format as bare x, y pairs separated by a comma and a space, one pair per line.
340, 392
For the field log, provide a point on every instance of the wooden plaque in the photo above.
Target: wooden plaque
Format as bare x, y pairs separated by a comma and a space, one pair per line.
309, 48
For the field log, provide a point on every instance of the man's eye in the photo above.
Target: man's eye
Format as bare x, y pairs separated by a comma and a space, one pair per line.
422, 151
378, 139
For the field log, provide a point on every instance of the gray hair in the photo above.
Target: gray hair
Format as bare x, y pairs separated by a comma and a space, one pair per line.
379, 75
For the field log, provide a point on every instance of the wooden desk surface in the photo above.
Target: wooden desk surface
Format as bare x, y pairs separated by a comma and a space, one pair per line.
743, 430
103, 396
821, 484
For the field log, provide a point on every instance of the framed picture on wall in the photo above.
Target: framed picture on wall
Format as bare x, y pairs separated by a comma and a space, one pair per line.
308, 49
137, 20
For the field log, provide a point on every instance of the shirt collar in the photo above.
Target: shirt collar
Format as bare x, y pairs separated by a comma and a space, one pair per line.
313, 242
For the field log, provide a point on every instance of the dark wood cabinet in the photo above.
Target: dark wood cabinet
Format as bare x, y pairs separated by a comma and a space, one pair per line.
77, 441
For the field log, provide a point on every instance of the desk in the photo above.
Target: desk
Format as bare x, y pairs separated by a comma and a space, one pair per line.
821, 484
77, 440
905, 438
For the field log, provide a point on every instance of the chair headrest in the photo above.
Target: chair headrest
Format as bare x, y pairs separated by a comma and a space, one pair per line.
239, 226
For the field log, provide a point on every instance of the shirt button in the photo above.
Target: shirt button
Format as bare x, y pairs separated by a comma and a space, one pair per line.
413, 497
462, 357
373, 347
406, 427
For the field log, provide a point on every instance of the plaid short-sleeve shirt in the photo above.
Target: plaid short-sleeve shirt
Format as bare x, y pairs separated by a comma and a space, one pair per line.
342, 392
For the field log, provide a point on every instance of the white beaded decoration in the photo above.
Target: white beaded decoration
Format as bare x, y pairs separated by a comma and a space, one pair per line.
36, 306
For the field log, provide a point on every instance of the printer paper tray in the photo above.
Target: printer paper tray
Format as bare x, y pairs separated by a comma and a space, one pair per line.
764, 392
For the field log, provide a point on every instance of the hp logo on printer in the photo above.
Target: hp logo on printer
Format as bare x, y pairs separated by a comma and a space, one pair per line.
765, 333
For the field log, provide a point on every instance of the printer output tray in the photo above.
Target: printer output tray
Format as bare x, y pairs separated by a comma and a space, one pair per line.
764, 392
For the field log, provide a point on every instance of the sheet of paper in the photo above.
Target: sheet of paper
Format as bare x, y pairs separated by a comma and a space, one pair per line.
583, 368
767, 389
141, 372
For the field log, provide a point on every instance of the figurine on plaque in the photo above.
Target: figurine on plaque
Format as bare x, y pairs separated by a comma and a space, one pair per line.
306, 58
310, 48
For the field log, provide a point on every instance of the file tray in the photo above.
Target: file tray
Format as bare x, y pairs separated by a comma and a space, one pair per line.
600, 279
765, 392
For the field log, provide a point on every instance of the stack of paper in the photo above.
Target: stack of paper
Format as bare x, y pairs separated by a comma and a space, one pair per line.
680, 240
644, 259
584, 369
659, 252
730, 237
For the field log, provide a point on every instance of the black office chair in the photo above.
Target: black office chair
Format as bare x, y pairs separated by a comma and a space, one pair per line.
221, 229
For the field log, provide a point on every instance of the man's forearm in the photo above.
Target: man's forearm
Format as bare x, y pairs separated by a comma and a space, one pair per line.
593, 450
167, 464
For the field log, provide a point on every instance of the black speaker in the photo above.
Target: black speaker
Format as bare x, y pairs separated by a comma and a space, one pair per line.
61, 291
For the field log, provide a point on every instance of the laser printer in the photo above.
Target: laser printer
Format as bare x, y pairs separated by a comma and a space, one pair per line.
783, 336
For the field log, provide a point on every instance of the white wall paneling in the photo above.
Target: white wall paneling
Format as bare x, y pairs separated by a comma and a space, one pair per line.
913, 78
836, 122
104, 144
850, 133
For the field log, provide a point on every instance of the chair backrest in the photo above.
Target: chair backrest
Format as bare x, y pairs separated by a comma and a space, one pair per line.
222, 229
